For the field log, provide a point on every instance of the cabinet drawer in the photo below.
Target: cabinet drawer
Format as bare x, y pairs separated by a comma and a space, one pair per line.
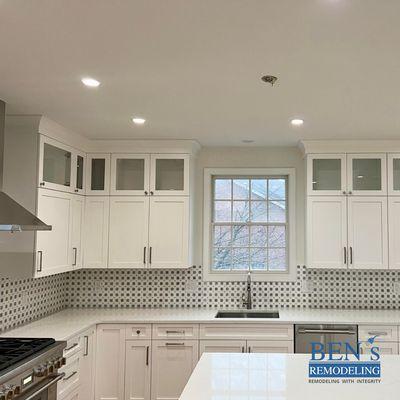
74, 345
384, 348
247, 331
138, 331
173, 331
71, 379
382, 333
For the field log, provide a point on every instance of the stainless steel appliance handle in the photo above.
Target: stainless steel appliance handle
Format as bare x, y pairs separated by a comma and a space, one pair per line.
328, 331
45, 387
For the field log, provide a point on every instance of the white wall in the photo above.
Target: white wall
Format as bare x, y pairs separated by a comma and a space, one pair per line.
251, 157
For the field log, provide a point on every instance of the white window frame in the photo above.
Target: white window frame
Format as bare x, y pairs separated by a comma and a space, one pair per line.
208, 274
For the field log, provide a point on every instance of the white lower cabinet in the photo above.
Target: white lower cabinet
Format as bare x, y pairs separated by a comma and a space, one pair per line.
383, 348
97, 211
137, 369
172, 365
269, 346
110, 362
87, 363
222, 346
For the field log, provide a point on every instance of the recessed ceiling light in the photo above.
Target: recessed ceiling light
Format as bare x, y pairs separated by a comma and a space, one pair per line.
90, 82
247, 141
297, 122
138, 121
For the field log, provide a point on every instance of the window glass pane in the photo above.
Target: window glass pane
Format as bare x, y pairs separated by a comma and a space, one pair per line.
130, 174
56, 165
222, 258
170, 174
98, 173
240, 258
222, 236
258, 259
241, 189
222, 189
222, 211
277, 236
276, 211
326, 174
396, 174
367, 174
259, 211
240, 235
258, 236
240, 211
277, 259
259, 189
276, 189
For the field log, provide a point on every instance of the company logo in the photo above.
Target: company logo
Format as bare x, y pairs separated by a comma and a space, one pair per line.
340, 360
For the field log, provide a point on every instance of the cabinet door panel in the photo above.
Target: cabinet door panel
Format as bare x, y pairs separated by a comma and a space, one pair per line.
79, 177
269, 346
326, 232
96, 232
53, 247
169, 232
98, 174
367, 232
172, 365
128, 232
222, 346
384, 348
394, 232
87, 364
78, 207
137, 369
110, 362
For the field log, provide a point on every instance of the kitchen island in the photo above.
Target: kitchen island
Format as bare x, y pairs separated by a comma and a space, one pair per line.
280, 377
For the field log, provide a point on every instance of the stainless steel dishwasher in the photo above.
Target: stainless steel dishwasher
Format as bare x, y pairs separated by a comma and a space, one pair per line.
305, 334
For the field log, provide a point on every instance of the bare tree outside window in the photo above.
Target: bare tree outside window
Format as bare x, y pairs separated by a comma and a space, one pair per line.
249, 223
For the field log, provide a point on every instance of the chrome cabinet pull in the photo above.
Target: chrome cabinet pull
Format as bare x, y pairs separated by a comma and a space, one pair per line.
147, 355
67, 378
351, 255
249, 349
144, 254
40, 253
174, 344
377, 333
75, 256
176, 332
242, 349
151, 250
71, 347
345, 255
86, 352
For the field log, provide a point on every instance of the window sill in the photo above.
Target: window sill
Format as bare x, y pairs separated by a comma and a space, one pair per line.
255, 277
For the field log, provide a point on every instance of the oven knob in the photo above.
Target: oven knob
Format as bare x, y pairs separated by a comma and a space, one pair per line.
2, 395
17, 389
40, 371
63, 361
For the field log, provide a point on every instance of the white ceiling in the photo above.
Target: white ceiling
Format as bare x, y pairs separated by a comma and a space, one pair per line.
192, 68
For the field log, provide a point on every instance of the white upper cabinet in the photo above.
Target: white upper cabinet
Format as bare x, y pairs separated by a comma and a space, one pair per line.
55, 165
98, 174
77, 217
366, 174
53, 251
169, 232
326, 174
130, 174
327, 232
128, 243
169, 174
393, 169
367, 232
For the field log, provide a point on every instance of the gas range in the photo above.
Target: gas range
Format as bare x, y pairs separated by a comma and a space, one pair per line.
29, 368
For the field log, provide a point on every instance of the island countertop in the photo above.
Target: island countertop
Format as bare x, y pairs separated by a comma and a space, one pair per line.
225, 376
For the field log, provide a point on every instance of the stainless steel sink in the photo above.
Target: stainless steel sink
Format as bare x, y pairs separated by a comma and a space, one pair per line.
247, 314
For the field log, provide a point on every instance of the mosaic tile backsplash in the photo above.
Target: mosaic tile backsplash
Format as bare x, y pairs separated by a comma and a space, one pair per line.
26, 300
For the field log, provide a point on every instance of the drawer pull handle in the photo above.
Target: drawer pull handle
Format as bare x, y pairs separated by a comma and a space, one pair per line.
147, 355
176, 332
86, 352
242, 349
71, 347
67, 378
174, 344
372, 333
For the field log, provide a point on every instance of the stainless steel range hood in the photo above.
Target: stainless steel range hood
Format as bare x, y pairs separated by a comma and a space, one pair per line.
13, 216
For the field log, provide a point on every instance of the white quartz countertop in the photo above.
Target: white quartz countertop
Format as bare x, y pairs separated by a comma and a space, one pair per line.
280, 376
67, 323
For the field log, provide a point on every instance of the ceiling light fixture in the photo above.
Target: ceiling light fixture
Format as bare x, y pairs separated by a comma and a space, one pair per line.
297, 122
247, 141
269, 79
90, 82
138, 121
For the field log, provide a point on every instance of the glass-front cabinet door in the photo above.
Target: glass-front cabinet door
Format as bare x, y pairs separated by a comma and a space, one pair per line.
366, 174
79, 173
98, 174
394, 174
169, 174
130, 174
55, 165
326, 174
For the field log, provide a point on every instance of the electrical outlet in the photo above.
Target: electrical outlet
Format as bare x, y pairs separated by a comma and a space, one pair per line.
396, 287
25, 298
307, 286
98, 285
191, 286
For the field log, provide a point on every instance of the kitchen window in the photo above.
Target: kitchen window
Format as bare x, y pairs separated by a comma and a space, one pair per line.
249, 224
